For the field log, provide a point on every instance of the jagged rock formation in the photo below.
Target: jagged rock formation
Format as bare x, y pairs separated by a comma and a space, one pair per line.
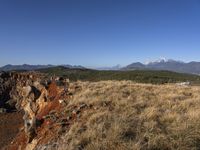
36, 96
9, 82
33, 94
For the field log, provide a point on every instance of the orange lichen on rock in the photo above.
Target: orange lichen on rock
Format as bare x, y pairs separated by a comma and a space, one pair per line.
53, 104
53, 91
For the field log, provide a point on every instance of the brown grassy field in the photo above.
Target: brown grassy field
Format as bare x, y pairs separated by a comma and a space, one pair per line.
123, 115
130, 116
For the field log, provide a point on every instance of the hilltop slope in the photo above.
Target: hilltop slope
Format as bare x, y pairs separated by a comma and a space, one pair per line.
123, 115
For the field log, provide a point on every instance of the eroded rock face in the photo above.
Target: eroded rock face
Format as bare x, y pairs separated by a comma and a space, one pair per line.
28, 104
36, 98
35, 95
21, 91
9, 82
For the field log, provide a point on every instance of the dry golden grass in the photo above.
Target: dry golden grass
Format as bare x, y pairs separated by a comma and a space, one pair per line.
130, 116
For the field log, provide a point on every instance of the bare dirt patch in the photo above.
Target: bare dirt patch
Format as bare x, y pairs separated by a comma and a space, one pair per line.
10, 124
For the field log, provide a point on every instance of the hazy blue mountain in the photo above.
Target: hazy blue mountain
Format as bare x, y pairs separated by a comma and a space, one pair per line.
136, 65
170, 65
117, 67
32, 67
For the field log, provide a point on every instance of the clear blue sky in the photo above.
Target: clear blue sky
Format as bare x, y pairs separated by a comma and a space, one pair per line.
98, 32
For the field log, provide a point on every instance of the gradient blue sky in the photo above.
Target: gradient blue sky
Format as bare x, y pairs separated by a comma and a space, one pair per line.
98, 32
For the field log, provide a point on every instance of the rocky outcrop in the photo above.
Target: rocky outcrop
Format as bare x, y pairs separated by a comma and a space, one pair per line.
37, 96
9, 82
42, 100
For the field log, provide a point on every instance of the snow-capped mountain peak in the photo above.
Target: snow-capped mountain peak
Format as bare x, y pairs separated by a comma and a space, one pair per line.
162, 60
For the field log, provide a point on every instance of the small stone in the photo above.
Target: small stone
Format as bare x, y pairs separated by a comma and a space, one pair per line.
61, 101
74, 112
3, 110
95, 108
69, 118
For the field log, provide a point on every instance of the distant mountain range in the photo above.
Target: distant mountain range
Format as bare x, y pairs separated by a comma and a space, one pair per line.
162, 64
33, 67
170, 65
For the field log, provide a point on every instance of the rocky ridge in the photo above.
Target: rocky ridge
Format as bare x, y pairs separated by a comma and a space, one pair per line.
41, 100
